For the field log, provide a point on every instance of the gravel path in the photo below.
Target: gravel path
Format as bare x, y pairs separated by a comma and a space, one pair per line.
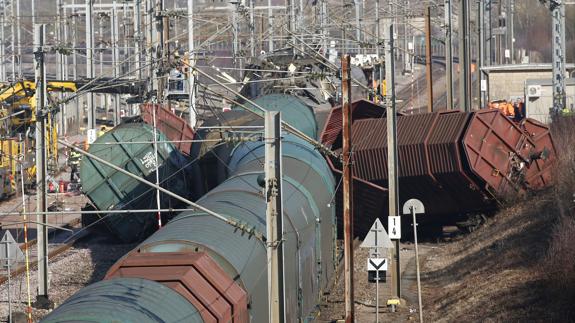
333, 306
83, 264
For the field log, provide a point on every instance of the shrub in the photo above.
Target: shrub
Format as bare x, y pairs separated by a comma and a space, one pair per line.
559, 263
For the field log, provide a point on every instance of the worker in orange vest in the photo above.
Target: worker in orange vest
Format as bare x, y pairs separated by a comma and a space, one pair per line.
509, 110
502, 106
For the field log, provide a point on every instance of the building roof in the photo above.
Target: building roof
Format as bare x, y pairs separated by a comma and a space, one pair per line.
523, 67
548, 82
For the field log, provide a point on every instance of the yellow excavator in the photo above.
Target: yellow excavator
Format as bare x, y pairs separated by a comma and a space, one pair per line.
18, 117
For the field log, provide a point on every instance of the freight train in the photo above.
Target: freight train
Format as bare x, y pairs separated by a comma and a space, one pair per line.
198, 268
461, 165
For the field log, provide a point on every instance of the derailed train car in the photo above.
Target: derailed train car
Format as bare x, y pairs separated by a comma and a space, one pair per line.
459, 164
201, 269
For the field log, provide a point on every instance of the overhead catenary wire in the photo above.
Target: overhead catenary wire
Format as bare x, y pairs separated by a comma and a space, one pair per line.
229, 220
260, 110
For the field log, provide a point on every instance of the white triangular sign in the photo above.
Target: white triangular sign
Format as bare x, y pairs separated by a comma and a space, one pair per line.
9, 250
377, 237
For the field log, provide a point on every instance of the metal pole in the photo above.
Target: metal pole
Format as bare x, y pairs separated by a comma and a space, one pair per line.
323, 22
392, 151
26, 254
138, 38
499, 37
192, 113
164, 66
507, 33
489, 43
13, 41
377, 31
157, 171
2, 47
428, 66
79, 114
65, 36
90, 65
60, 65
468, 54
347, 188
488, 57
42, 299
19, 34
274, 217
7, 244
127, 65
33, 11
464, 69
379, 71
511, 32
270, 27
358, 11
417, 265
558, 48
448, 55
116, 60
481, 51
377, 296
103, 98
235, 34
158, 44
406, 27
150, 44
252, 30
292, 23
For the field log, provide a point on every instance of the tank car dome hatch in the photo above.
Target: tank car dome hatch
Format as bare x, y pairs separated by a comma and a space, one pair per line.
130, 147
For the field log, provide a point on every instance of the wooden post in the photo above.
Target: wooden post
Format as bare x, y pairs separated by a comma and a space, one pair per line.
347, 189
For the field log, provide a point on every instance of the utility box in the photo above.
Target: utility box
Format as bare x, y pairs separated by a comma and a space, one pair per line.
539, 98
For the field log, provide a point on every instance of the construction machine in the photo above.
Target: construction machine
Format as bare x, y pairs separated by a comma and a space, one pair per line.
18, 117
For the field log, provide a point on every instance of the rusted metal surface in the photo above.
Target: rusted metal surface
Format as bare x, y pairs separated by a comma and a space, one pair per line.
498, 152
539, 175
430, 167
174, 127
361, 109
195, 276
369, 199
454, 162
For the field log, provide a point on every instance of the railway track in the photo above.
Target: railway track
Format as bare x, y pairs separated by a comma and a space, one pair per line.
56, 249
413, 90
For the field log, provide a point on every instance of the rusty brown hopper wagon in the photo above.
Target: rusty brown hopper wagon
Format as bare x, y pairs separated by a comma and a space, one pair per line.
456, 163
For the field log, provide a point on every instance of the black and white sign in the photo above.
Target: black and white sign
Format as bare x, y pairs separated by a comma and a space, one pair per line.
376, 270
394, 227
91, 135
374, 264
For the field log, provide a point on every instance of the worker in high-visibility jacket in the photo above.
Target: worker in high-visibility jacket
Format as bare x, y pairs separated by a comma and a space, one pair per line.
74, 161
509, 110
101, 132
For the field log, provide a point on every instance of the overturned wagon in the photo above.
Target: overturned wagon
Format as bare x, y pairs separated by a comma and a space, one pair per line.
456, 163
130, 146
